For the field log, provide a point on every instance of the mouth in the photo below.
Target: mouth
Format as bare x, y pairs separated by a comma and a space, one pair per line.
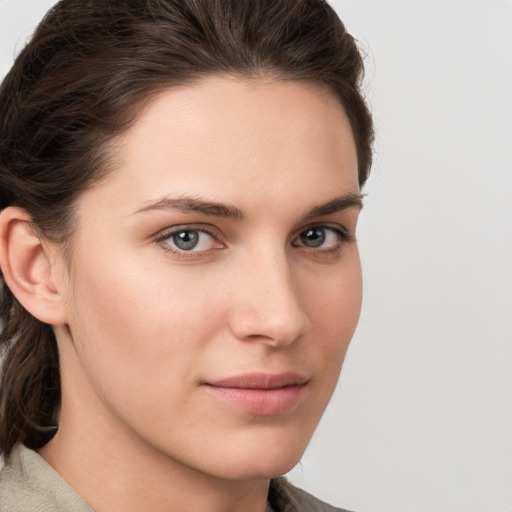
259, 393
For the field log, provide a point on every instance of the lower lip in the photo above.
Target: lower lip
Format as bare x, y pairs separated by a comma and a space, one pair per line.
261, 402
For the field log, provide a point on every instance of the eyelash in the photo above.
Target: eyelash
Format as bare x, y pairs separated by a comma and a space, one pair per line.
343, 237
180, 253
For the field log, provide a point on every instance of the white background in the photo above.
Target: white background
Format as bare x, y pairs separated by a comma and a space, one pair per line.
422, 419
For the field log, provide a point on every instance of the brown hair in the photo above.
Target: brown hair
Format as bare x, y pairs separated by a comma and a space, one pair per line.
81, 81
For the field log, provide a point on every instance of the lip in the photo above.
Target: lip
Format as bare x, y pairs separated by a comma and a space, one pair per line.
260, 393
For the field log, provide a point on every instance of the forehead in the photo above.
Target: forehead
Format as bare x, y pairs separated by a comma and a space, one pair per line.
229, 139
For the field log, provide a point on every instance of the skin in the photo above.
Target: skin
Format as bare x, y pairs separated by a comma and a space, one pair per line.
141, 325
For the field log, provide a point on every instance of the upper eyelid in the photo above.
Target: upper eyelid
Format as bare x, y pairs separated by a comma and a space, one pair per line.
339, 228
204, 228
344, 235
209, 228
189, 255
217, 234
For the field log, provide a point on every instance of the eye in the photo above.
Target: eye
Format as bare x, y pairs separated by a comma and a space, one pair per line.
321, 237
185, 239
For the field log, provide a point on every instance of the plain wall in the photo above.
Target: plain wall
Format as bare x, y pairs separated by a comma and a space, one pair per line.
422, 419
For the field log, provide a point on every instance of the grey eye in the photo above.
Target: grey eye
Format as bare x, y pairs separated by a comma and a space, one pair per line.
313, 237
186, 240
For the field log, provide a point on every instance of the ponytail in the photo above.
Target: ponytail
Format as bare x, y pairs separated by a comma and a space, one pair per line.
30, 380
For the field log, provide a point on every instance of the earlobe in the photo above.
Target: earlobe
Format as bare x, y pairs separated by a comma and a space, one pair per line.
28, 269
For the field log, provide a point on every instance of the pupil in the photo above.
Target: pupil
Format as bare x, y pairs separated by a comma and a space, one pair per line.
314, 237
185, 240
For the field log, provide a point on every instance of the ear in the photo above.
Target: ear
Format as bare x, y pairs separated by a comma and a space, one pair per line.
29, 267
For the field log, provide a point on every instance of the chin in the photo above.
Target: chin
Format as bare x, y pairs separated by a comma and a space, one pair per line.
260, 459
259, 469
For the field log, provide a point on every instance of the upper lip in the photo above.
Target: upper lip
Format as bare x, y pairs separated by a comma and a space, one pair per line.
260, 381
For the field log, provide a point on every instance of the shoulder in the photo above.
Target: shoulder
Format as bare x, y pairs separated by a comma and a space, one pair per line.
28, 482
285, 497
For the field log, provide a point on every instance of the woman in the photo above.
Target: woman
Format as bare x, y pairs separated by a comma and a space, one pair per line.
180, 187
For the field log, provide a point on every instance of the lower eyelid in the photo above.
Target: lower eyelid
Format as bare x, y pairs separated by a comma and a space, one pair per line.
341, 234
169, 246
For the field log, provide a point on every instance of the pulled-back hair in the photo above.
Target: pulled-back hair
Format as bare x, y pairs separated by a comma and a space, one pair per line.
82, 80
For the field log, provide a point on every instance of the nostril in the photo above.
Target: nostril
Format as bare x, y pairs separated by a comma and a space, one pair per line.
274, 327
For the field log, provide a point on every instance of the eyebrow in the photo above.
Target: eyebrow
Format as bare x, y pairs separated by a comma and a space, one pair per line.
191, 204
337, 204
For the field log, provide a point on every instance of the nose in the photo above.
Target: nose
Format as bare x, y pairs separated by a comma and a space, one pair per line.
266, 305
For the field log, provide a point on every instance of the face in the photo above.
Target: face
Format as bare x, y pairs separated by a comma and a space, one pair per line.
215, 279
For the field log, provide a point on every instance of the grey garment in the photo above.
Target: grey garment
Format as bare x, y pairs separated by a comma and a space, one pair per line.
284, 497
29, 484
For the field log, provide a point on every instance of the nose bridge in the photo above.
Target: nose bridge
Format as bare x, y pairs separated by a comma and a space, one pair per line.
268, 305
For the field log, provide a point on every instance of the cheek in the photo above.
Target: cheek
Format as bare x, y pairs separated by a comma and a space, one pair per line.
137, 328
335, 310
335, 300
